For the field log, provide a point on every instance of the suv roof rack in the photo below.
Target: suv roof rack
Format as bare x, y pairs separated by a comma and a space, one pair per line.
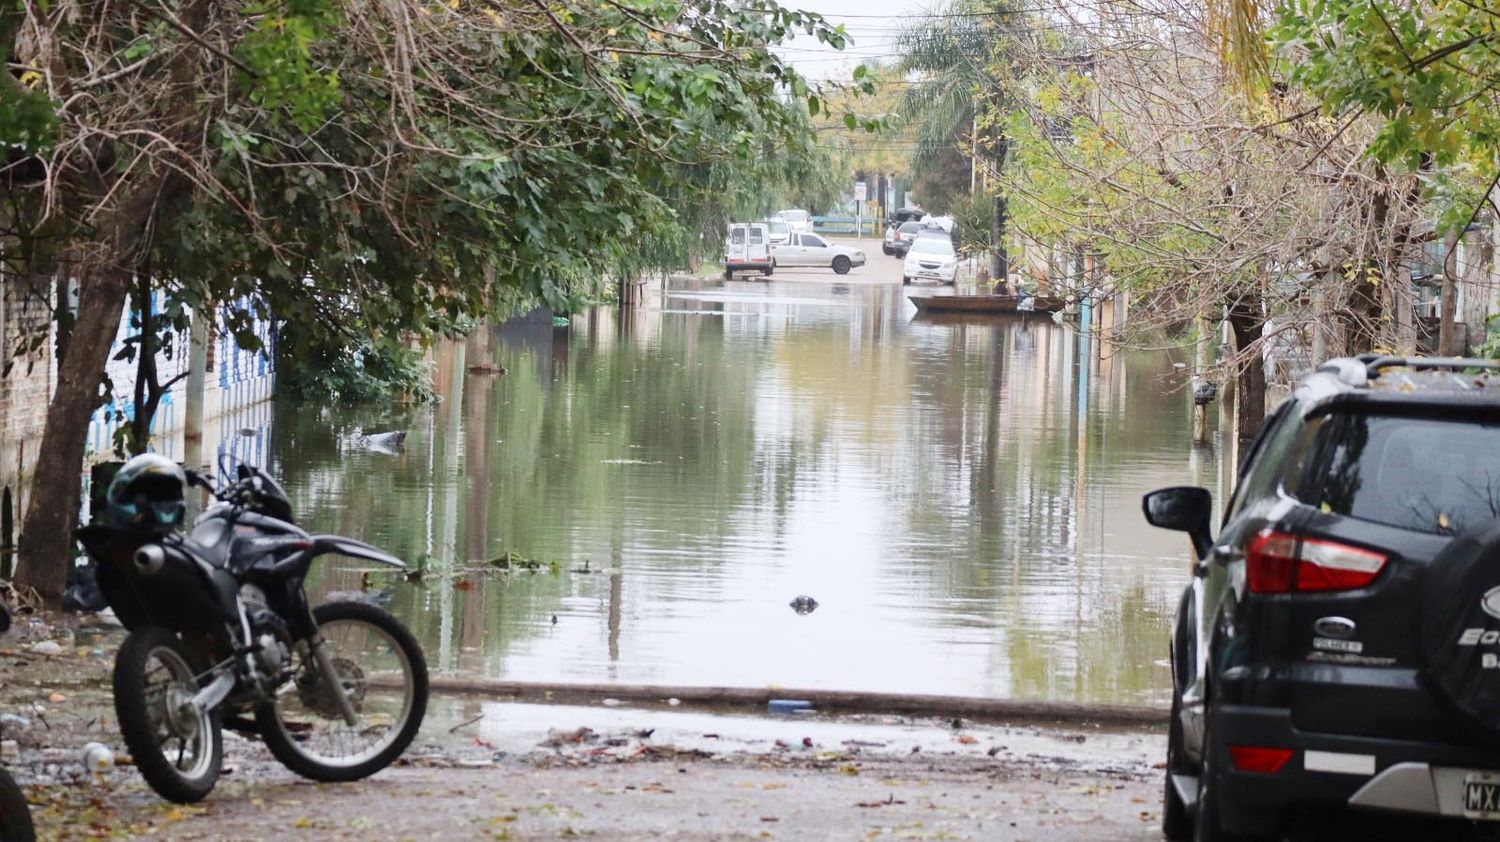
1360, 370
1374, 367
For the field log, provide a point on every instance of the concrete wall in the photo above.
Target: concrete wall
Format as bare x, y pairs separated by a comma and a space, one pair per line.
237, 390
236, 380
25, 312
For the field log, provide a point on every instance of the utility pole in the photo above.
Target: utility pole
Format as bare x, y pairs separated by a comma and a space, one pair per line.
192, 422
1450, 295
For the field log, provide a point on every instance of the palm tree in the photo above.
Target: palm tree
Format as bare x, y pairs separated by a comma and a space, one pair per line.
950, 57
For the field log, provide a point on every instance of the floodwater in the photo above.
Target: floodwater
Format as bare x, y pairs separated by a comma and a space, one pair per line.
962, 500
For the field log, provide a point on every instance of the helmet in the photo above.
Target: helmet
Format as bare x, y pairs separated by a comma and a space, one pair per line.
147, 491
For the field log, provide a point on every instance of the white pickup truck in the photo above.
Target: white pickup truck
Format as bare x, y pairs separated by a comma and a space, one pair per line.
804, 249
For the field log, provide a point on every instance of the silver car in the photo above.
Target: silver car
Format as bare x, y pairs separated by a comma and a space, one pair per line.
803, 249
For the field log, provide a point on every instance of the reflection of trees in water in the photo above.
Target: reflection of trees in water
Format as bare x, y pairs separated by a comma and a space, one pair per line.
1011, 535
694, 432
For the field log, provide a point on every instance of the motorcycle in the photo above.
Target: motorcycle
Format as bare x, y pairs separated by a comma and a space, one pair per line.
15, 814
221, 633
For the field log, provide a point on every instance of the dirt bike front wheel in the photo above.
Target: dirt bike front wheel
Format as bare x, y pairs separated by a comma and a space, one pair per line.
178, 750
383, 675
15, 815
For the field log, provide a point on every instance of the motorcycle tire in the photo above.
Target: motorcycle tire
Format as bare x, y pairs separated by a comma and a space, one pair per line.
15, 814
143, 716
296, 755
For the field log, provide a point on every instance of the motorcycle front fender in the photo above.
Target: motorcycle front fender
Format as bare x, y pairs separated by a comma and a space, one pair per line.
323, 544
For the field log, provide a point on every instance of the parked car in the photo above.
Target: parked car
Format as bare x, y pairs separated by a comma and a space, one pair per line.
812, 250
945, 223
897, 219
779, 230
799, 220
1338, 646
930, 258
901, 215
748, 249
902, 237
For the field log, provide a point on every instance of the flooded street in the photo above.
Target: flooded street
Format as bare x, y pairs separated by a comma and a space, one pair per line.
962, 500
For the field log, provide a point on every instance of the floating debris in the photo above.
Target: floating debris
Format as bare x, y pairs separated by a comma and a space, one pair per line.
804, 604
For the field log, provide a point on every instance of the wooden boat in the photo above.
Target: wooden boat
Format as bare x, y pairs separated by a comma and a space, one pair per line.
998, 305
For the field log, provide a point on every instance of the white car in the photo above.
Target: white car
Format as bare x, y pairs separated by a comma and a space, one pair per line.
798, 220
930, 258
803, 249
780, 230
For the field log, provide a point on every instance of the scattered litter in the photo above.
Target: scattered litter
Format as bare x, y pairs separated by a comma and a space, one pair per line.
674, 702
789, 705
465, 723
10, 751
557, 738
97, 758
889, 801
611, 703
11, 722
47, 647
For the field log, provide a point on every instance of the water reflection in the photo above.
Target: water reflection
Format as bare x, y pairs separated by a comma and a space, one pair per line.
961, 499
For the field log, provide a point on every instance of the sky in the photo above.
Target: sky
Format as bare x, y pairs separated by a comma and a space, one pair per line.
874, 25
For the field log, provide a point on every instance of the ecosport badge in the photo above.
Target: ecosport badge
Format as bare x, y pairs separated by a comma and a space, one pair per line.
1490, 602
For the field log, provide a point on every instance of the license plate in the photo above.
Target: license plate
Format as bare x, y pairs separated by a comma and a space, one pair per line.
1482, 795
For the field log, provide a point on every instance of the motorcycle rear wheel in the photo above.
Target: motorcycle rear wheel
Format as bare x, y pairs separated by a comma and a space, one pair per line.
15, 815
384, 677
153, 678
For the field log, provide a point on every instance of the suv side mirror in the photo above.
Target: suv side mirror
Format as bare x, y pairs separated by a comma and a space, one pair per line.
1184, 509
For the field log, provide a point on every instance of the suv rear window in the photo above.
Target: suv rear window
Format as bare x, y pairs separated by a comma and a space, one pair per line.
1424, 474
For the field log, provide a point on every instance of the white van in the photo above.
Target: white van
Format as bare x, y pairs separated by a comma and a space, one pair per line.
747, 249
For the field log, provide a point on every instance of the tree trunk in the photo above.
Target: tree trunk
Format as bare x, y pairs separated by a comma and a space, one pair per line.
1000, 261
47, 531
1362, 305
1246, 321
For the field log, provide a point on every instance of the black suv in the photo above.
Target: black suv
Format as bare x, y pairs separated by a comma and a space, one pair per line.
1339, 645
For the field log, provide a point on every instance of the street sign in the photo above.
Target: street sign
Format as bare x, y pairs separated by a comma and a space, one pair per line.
859, 191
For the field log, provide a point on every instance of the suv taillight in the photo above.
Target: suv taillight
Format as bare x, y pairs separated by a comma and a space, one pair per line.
1276, 562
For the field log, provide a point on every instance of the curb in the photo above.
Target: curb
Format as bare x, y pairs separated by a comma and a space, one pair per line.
836, 701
